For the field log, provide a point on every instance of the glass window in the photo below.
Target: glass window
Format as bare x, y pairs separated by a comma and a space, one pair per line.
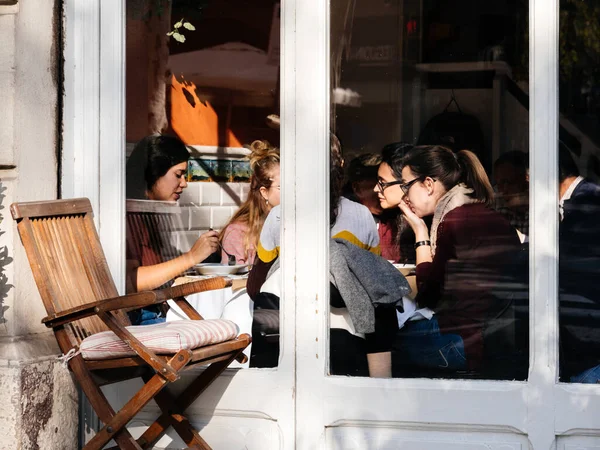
202, 127
579, 192
430, 266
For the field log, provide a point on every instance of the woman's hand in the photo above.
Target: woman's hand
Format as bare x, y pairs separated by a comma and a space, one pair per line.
423, 252
416, 223
206, 244
151, 277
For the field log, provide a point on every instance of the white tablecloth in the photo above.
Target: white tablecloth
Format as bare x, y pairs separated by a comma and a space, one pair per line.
220, 304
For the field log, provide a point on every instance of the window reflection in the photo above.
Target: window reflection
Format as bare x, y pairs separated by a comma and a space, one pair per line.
202, 130
415, 84
579, 192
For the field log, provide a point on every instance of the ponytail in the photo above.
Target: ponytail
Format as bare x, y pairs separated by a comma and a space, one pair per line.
448, 168
474, 176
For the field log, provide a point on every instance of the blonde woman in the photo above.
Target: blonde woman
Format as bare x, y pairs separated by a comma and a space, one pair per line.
240, 236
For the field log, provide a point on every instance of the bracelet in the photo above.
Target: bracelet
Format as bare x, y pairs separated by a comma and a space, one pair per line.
420, 243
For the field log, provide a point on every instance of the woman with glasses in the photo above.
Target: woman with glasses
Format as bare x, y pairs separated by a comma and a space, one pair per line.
468, 246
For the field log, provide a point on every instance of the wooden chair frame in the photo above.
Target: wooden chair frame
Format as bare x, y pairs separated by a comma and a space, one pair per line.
80, 298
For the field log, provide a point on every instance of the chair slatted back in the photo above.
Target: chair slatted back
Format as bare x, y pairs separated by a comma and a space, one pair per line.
153, 223
66, 258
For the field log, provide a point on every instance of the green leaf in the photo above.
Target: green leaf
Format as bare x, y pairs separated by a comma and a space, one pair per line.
179, 37
189, 26
178, 25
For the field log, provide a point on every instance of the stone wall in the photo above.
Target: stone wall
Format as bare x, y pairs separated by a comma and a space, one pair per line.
39, 410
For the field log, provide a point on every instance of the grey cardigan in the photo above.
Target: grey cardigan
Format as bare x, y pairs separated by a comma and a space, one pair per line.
364, 281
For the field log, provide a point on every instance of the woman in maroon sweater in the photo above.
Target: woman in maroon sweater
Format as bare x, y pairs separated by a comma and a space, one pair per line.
458, 260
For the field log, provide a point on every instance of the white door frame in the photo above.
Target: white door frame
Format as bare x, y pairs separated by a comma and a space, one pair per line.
93, 161
93, 166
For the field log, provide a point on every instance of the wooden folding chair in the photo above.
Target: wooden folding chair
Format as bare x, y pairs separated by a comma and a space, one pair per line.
81, 301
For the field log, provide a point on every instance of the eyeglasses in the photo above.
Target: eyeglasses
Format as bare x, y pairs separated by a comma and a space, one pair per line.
383, 185
404, 186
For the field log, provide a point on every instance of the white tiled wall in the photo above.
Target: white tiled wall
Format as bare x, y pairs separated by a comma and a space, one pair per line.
208, 205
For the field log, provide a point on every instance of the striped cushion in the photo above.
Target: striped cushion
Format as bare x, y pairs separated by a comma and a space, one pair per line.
162, 338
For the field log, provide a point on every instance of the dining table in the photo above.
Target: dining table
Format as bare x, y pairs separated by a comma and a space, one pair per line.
411, 310
409, 272
231, 303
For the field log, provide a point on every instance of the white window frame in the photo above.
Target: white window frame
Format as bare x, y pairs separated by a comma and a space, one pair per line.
93, 150
93, 157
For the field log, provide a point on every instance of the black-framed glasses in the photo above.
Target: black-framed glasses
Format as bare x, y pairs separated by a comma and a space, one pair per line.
383, 185
404, 186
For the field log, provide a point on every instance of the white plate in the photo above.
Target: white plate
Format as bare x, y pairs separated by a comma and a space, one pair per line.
219, 269
406, 269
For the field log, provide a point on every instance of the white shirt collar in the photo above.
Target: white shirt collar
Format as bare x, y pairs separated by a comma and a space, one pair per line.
569, 191
567, 195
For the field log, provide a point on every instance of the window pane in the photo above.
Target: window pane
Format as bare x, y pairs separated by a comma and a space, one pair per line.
202, 130
414, 85
579, 203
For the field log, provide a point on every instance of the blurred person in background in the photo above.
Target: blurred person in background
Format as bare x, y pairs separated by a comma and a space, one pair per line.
579, 268
511, 173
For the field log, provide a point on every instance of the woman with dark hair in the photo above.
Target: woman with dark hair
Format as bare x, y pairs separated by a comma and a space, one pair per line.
468, 245
404, 237
362, 177
151, 159
157, 170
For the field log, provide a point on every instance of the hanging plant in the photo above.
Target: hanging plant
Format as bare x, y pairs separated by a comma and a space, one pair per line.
177, 32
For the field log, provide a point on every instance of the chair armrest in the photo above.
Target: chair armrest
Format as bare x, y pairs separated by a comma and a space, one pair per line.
193, 287
92, 309
135, 300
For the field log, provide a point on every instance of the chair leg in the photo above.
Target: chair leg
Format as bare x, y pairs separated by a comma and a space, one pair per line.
173, 408
117, 423
171, 417
100, 405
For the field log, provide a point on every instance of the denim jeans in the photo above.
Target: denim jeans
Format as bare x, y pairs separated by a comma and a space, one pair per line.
589, 376
419, 344
145, 317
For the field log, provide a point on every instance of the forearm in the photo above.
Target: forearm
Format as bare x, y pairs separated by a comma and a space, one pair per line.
423, 252
431, 272
152, 277
257, 277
